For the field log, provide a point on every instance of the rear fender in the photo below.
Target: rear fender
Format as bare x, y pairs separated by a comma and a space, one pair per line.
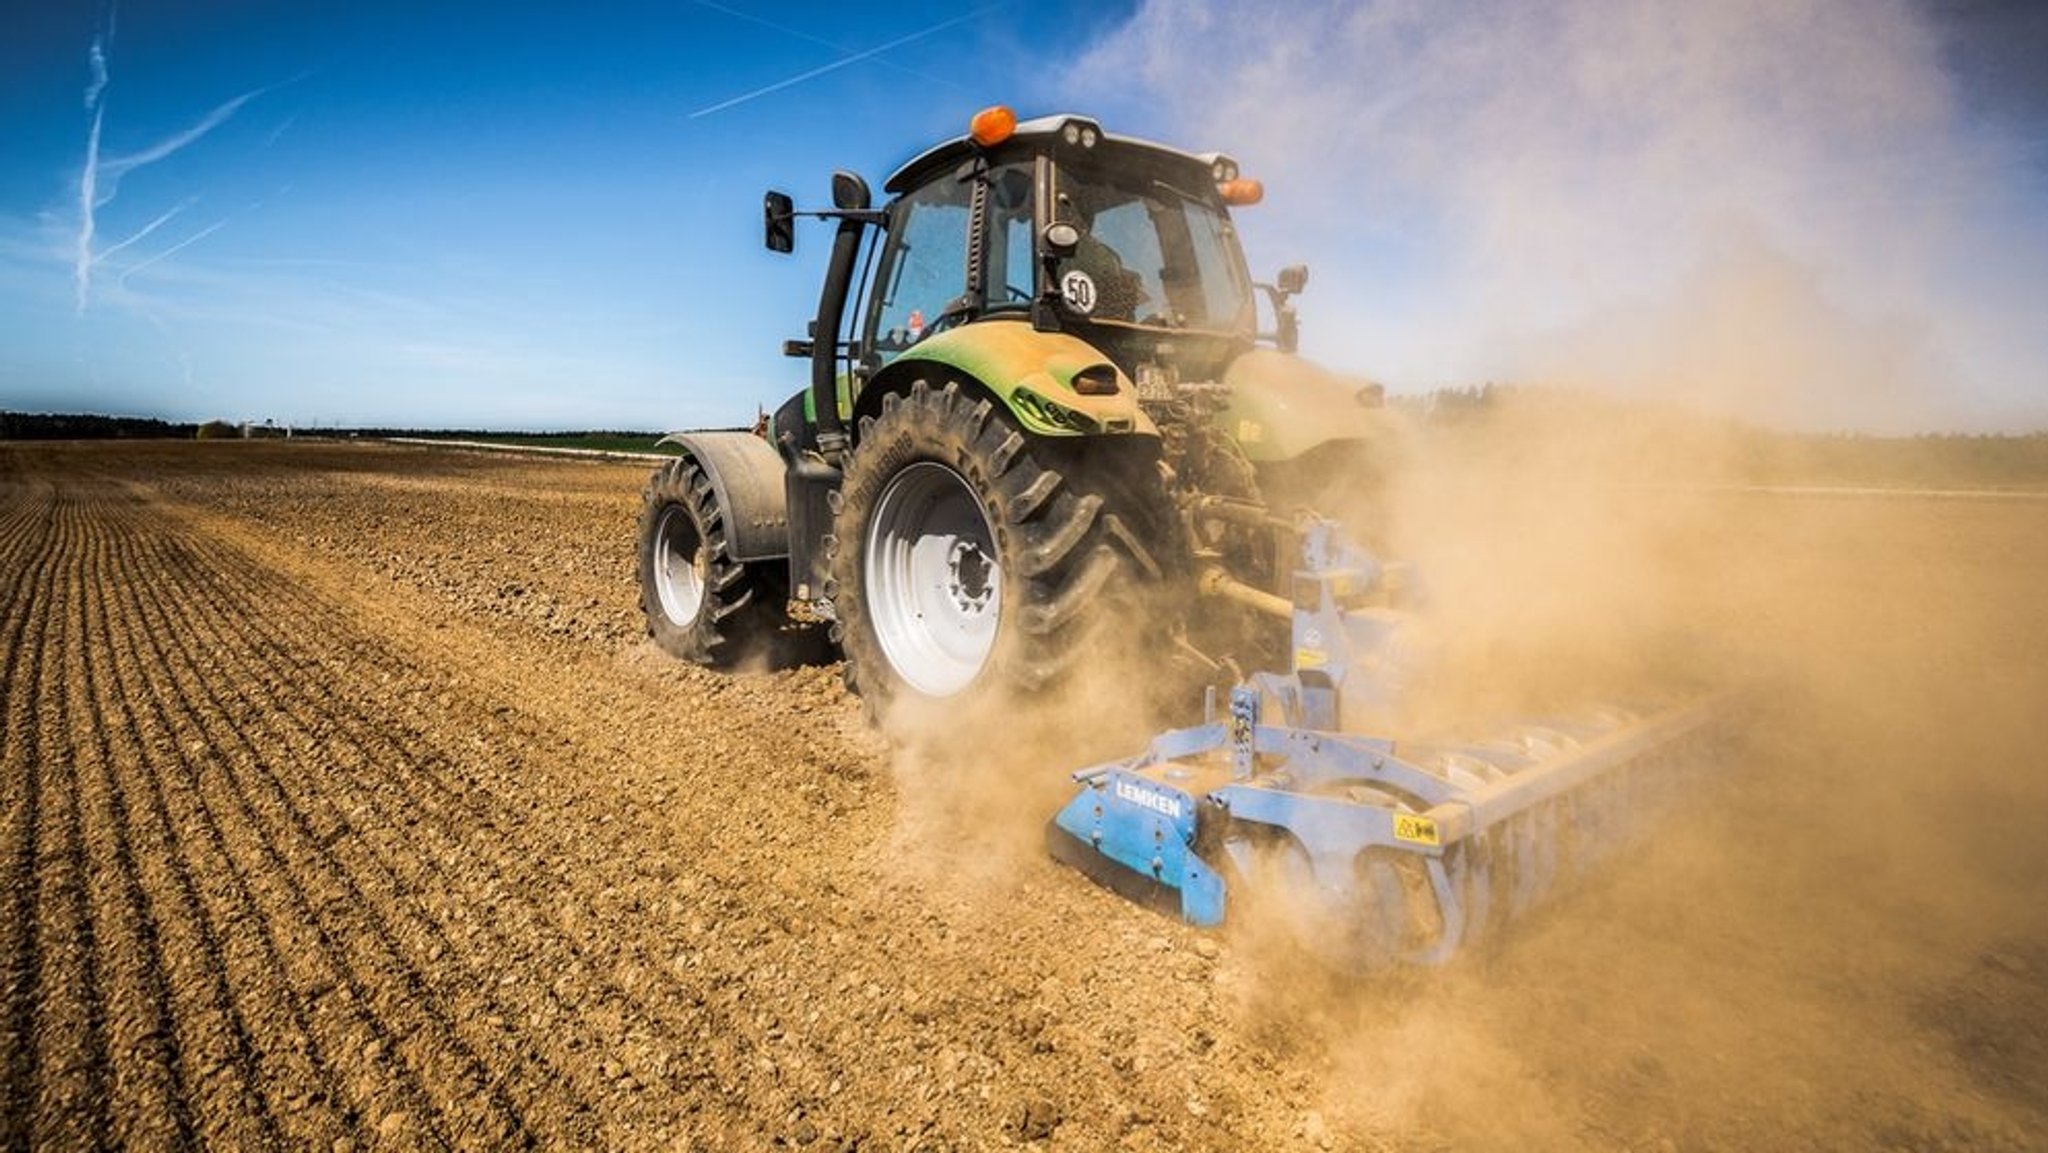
1029, 372
746, 479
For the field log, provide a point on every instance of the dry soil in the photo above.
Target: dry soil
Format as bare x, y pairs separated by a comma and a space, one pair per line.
346, 807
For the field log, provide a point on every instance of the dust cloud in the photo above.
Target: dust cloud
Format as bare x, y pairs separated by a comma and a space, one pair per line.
1782, 212
976, 785
1835, 939
1842, 915
1709, 211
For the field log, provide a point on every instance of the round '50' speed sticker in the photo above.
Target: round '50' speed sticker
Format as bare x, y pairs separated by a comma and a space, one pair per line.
1077, 288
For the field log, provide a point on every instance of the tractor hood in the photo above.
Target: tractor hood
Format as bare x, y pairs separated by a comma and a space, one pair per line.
1281, 406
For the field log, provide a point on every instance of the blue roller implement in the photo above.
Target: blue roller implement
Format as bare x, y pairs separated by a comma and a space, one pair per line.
1373, 851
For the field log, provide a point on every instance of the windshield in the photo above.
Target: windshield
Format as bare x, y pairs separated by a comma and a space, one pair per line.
924, 265
1150, 253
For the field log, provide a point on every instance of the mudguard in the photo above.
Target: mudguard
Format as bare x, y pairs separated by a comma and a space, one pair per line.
746, 478
1031, 372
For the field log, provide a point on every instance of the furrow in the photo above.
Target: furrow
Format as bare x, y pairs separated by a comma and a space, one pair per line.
387, 905
26, 585
20, 544
386, 811
151, 1101
70, 1061
28, 626
424, 853
232, 1007
298, 948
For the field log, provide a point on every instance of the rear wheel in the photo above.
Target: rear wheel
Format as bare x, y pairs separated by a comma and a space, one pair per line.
969, 559
700, 604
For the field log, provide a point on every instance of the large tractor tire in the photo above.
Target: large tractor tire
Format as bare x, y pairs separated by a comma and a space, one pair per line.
971, 562
700, 604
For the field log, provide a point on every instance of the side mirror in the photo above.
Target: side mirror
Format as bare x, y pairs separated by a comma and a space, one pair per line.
778, 218
1292, 279
849, 192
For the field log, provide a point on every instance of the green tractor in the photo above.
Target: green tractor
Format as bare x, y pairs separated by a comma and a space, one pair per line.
1040, 410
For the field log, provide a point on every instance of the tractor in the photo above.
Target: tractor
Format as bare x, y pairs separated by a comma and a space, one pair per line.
1040, 407
1045, 429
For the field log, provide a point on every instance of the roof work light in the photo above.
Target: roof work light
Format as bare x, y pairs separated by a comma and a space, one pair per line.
992, 125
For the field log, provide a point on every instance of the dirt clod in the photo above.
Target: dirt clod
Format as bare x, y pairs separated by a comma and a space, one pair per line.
1036, 1119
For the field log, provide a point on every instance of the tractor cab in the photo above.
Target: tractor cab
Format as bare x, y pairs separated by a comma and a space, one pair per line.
1053, 223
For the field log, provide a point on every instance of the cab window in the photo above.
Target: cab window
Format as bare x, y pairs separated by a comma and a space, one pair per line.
923, 272
1011, 249
1150, 254
924, 264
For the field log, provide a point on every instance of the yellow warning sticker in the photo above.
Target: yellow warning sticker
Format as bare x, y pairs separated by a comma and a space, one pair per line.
1310, 658
1419, 830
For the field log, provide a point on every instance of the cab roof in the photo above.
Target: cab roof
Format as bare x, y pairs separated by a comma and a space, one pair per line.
1042, 134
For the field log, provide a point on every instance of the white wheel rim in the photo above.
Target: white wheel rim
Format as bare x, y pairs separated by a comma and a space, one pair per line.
934, 585
678, 567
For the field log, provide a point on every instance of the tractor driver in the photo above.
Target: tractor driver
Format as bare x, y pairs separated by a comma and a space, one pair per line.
1112, 291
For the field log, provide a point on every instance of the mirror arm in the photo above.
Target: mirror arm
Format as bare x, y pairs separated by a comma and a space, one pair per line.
857, 215
1286, 334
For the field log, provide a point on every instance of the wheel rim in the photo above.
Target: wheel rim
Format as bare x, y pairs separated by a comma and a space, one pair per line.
935, 588
678, 566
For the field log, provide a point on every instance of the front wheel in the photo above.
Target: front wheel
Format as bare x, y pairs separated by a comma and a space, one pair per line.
934, 583
970, 561
700, 604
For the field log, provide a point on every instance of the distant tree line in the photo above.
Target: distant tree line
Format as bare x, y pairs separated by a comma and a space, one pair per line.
1469, 402
1761, 455
94, 426
89, 426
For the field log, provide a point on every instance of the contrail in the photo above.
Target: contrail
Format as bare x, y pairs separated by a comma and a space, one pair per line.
89, 175
88, 201
841, 63
800, 34
172, 144
152, 226
173, 250
91, 199
96, 59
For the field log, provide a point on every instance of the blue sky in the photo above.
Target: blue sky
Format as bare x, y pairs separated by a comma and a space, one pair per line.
546, 216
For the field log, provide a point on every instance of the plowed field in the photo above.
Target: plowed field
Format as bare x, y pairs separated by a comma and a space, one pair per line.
345, 807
